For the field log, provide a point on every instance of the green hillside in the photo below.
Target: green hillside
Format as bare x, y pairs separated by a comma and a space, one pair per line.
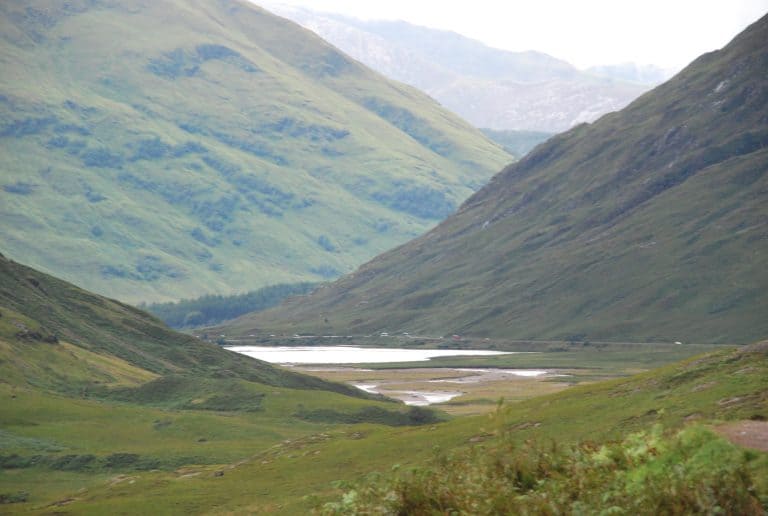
93, 388
648, 225
58, 337
154, 151
646, 445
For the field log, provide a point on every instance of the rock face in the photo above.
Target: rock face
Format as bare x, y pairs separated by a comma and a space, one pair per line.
490, 88
650, 224
170, 149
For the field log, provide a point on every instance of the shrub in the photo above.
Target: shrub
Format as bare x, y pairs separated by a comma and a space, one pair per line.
693, 472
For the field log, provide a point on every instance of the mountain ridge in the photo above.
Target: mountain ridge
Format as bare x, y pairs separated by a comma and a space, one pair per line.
491, 88
645, 225
166, 150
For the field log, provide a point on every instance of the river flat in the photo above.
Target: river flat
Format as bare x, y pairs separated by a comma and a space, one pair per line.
457, 390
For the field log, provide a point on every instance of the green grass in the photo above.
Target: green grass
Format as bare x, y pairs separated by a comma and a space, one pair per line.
228, 151
600, 445
648, 473
645, 226
275, 463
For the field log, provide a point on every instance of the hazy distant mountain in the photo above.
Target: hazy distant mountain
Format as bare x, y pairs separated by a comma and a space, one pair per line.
167, 149
650, 75
490, 88
650, 224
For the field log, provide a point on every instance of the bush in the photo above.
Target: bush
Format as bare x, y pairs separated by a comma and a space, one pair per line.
693, 472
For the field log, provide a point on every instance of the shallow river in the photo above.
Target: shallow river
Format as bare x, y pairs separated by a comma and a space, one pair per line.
439, 387
350, 354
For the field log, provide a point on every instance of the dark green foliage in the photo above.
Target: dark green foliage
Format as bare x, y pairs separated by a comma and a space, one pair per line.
325, 242
189, 147
26, 127
298, 129
103, 158
174, 64
414, 416
93, 463
18, 497
153, 148
416, 128
19, 188
148, 268
182, 63
213, 309
251, 146
72, 462
417, 200
325, 271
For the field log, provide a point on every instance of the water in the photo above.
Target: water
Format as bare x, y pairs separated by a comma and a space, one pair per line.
351, 354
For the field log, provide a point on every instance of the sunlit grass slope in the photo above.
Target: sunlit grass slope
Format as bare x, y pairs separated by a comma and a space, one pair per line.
161, 150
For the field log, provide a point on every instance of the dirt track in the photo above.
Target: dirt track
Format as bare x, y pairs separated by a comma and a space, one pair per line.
750, 434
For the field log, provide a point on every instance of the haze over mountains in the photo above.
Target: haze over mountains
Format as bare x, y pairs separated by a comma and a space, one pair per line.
650, 224
490, 88
162, 150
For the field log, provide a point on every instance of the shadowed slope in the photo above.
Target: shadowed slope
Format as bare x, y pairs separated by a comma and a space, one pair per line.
649, 224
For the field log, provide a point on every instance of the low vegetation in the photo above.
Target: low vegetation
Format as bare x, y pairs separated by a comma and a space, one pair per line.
689, 472
213, 309
640, 445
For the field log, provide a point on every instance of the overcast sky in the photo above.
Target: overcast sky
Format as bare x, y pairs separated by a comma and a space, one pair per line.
667, 33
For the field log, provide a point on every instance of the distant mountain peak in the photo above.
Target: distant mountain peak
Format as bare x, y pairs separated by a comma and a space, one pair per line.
490, 88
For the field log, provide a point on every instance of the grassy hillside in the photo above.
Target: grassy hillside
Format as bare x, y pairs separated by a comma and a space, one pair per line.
191, 461
164, 150
648, 225
643, 445
58, 337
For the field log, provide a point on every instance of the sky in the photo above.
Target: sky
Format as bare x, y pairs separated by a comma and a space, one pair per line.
667, 33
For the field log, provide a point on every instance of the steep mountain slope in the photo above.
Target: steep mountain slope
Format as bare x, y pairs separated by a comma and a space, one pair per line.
650, 224
162, 150
56, 336
490, 88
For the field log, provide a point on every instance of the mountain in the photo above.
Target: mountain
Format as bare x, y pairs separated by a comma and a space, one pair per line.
154, 151
650, 224
490, 88
56, 336
517, 143
650, 75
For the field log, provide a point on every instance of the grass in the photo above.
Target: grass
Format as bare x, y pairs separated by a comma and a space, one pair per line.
638, 444
145, 167
273, 464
